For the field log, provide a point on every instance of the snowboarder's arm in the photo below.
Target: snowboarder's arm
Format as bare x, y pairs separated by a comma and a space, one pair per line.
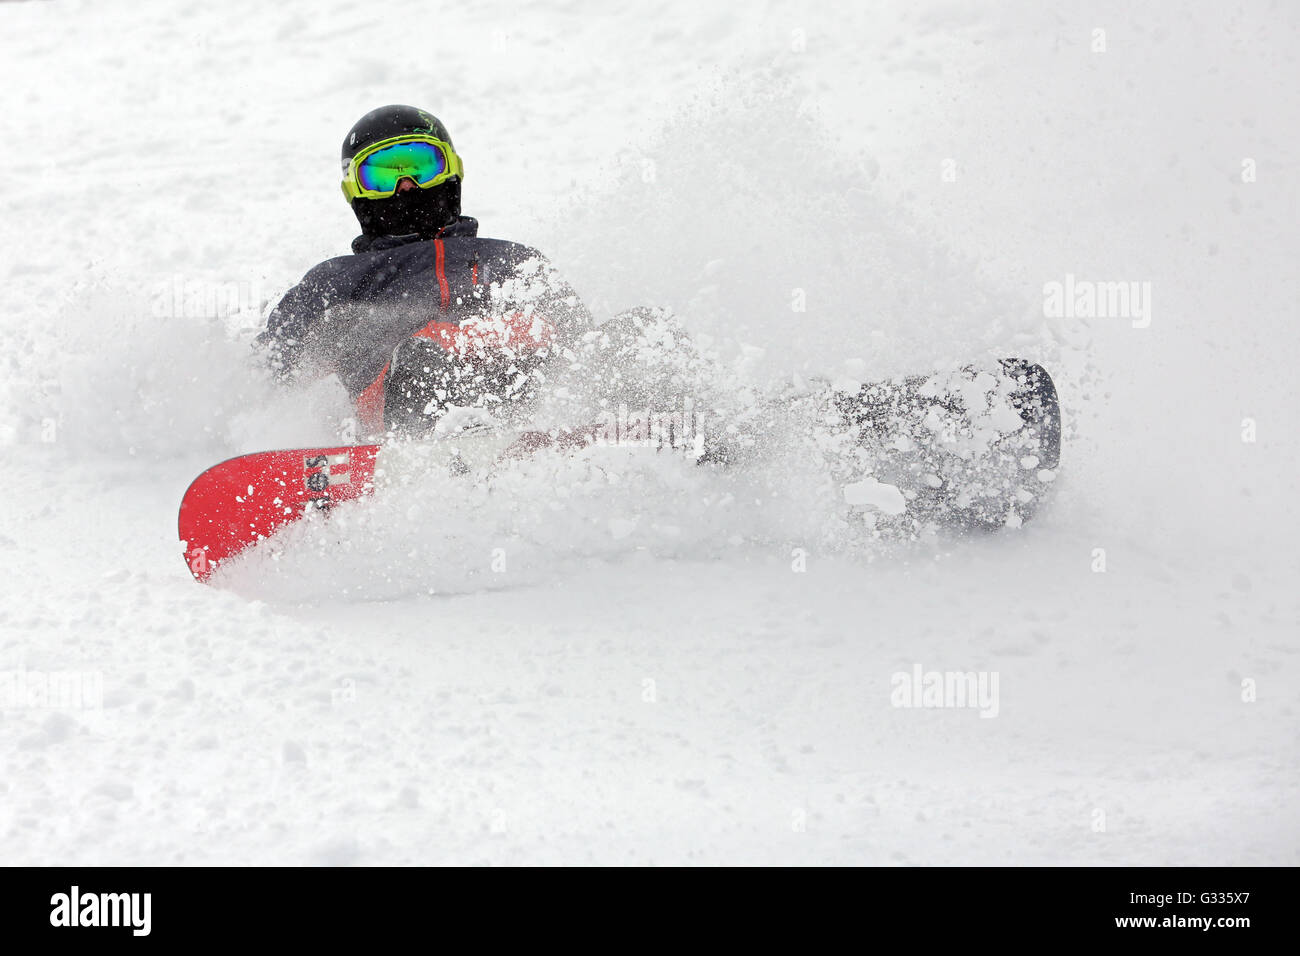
290, 322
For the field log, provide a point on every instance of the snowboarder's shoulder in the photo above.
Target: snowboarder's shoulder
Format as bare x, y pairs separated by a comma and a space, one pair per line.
501, 250
400, 252
399, 248
462, 235
367, 259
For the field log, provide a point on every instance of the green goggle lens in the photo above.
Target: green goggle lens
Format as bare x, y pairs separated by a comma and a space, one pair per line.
383, 169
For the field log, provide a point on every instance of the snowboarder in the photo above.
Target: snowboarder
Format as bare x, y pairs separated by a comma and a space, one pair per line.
426, 318
425, 315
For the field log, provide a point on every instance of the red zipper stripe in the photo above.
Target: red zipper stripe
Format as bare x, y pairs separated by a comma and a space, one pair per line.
440, 267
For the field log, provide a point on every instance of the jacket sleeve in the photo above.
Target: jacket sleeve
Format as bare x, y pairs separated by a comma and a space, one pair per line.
298, 317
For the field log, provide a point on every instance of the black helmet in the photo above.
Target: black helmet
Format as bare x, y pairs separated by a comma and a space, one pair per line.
422, 211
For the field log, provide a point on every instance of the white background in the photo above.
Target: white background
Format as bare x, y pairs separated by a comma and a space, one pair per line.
709, 157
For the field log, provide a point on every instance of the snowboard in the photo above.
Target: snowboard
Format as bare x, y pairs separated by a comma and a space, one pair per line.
975, 447
246, 499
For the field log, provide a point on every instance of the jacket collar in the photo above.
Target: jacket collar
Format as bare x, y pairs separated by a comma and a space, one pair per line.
463, 227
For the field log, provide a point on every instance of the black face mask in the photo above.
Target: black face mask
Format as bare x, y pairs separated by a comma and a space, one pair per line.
419, 211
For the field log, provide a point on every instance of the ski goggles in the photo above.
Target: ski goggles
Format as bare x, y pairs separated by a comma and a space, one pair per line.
375, 171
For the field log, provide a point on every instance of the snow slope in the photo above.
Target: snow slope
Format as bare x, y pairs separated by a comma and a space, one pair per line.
661, 674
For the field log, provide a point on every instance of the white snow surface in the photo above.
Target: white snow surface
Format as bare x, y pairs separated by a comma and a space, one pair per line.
628, 662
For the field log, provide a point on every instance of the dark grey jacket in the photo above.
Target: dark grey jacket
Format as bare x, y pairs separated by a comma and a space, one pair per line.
349, 315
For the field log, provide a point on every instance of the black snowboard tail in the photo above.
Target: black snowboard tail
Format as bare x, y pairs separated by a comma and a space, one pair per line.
976, 448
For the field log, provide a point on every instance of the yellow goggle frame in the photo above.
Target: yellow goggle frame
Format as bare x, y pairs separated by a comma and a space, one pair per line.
352, 188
